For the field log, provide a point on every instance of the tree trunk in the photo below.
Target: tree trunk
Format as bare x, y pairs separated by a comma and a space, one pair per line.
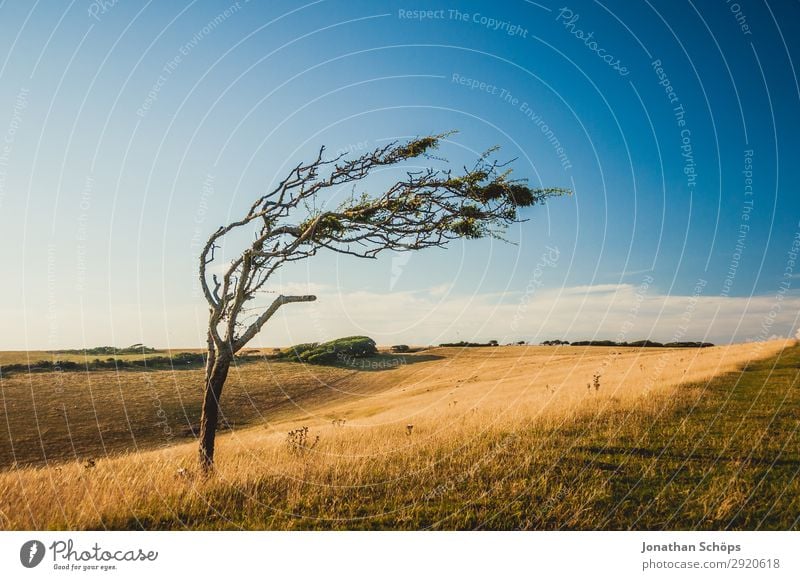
216, 373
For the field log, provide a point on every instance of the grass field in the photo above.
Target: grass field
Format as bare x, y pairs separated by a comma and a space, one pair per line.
496, 438
53, 416
9, 357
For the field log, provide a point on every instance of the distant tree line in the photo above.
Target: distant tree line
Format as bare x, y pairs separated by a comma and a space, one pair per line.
182, 360
636, 344
469, 344
109, 350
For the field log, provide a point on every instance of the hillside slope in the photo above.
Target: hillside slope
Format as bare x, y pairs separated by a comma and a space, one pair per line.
500, 438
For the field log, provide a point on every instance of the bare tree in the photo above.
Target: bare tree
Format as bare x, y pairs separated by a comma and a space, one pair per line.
427, 208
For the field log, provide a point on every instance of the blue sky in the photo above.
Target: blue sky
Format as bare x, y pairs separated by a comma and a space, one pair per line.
131, 130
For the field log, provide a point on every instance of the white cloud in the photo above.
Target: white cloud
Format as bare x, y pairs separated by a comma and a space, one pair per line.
431, 316
298, 288
609, 311
595, 289
440, 290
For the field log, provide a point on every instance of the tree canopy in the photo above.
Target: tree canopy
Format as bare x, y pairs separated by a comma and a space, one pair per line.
427, 208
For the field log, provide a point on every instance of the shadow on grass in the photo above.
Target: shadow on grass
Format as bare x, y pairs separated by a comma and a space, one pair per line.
662, 454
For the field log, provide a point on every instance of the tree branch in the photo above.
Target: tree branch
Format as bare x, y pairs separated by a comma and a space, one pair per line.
427, 208
255, 328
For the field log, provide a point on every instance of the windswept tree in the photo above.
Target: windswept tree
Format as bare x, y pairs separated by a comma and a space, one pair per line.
427, 208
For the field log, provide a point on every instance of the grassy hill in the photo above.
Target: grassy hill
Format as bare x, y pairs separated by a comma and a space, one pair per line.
493, 438
58, 416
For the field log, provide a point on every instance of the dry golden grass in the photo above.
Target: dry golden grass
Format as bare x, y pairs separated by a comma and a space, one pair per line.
54, 416
507, 438
533, 380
